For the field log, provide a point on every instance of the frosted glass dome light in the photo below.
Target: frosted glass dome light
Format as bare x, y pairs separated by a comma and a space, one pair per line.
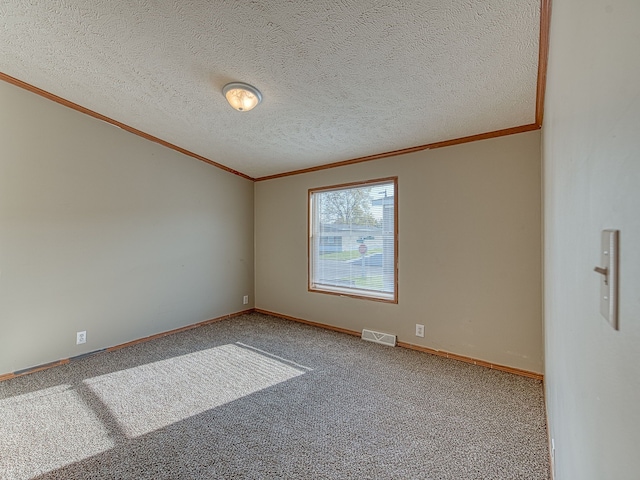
241, 96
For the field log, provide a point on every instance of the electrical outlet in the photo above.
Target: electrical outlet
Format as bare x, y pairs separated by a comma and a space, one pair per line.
245, 300
419, 330
81, 337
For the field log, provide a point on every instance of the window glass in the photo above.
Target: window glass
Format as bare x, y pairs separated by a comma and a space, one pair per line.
352, 239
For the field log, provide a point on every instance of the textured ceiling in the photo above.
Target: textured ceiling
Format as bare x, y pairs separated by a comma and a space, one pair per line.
340, 79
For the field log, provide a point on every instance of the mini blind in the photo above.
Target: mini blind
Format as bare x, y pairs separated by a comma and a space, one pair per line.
353, 239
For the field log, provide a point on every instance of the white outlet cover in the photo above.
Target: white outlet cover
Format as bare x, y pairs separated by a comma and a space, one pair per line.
419, 330
81, 337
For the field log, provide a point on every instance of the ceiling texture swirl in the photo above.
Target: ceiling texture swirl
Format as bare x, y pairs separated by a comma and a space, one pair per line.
340, 80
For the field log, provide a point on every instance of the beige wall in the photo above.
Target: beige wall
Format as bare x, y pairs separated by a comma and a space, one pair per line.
591, 147
103, 231
469, 250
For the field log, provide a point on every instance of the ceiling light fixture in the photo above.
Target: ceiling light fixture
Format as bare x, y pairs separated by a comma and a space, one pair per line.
241, 96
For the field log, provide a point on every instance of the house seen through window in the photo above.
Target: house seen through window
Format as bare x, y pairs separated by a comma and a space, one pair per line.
353, 239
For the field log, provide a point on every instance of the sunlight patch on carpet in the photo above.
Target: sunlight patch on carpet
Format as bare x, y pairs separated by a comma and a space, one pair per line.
46, 430
156, 395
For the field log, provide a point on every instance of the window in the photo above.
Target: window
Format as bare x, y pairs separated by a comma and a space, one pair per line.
353, 239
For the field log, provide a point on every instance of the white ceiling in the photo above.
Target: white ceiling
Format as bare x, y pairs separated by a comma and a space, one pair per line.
340, 79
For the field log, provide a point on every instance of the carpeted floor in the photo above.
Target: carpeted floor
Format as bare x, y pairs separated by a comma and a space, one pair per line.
261, 397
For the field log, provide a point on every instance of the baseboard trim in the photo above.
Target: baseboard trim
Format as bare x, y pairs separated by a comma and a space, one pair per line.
38, 368
474, 361
88, 354
308, 322
178, 330
549, 444
440, 353
64, 361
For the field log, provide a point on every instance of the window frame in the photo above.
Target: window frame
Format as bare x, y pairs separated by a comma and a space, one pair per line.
349, 291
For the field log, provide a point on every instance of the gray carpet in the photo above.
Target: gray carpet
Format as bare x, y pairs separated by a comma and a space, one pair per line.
261, 397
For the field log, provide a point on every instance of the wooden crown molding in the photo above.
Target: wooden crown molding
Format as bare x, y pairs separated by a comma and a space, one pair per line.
99, 116
394, 153
543, 54
543, 58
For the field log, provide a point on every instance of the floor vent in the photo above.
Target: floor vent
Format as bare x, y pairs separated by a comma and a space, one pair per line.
379, 337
